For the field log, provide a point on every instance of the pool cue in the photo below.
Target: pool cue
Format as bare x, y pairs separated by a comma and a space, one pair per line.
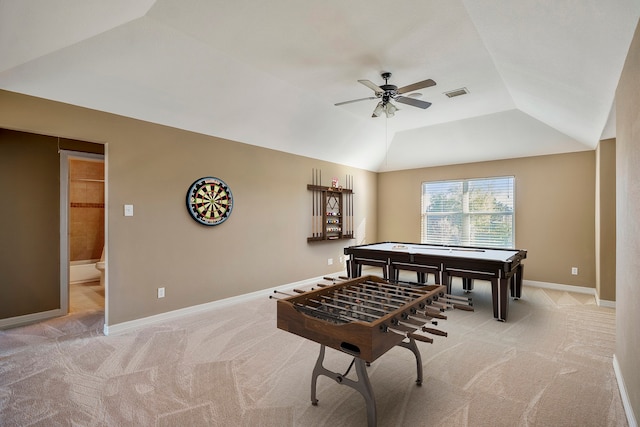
320, 207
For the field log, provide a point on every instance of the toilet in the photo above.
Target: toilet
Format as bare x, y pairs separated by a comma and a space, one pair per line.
100, 265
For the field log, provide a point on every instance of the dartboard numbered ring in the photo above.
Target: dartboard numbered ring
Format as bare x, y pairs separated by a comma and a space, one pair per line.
209, 201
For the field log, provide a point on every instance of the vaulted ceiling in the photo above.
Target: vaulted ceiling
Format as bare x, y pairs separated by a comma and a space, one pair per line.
541, 74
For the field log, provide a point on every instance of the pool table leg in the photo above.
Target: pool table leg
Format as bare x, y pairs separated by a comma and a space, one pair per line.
445, 280
500, 295
354, 269
516, 282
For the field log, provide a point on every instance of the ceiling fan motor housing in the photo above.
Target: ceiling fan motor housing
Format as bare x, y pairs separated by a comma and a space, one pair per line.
390, 91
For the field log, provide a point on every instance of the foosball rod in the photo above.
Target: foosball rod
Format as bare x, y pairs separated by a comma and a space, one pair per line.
406, 299
401, 300
449, 300
385, 292
427, 314
405, 289
420, 317
458, 297
361, 302
443, 306
404, 302
343, 317
429, 330
320, 313
457, 305
432, 313
412, 320
342, 308
368, 296
375, 286
279, 292
409, 334
349, 306
447, 297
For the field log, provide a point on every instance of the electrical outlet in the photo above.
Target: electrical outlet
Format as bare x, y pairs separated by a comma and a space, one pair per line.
160, 292
341, 260
128, 210
330, 261
574, 271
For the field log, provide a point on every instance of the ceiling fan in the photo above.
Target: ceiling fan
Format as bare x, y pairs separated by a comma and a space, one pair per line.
391, 92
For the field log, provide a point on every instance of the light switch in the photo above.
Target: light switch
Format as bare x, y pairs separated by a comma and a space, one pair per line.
128, 210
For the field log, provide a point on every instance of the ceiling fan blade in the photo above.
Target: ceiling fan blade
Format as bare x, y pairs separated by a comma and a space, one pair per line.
377, 89
413, 102
356, 100
416, 86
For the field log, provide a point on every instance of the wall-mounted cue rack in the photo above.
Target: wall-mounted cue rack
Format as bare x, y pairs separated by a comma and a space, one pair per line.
331, 209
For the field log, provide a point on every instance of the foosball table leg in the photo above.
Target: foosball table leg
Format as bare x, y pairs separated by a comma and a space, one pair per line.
362, 385
411, 345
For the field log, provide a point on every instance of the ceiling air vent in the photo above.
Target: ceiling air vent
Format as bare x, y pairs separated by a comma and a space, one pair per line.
457, 92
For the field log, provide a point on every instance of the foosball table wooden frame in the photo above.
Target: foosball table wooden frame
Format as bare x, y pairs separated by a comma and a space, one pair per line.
365, 317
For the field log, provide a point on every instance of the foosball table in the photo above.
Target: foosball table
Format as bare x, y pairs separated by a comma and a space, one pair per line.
365, 317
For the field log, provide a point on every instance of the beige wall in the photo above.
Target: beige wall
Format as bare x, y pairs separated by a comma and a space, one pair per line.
30, 267
555, 215
29, 224
627, 219
263, 244
606, 220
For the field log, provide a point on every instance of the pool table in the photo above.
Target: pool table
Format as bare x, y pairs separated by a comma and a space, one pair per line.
502, 267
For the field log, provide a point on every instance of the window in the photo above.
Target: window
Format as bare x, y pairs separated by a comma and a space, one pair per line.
470, 212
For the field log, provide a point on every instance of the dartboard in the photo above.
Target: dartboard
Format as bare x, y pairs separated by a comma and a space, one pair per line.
209, 201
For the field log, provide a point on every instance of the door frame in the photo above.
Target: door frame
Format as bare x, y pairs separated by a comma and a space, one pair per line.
65, 156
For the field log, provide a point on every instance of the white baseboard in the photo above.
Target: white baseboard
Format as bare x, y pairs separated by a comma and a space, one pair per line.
605, 303
571, 288
119, 328
125, 326
560, 287
30, 318
628, 410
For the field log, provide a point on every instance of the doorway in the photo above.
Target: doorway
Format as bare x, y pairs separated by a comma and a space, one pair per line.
83, 231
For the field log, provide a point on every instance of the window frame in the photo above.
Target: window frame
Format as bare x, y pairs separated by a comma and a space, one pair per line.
464, 225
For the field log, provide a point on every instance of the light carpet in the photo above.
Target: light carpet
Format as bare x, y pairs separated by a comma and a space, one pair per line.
550, 364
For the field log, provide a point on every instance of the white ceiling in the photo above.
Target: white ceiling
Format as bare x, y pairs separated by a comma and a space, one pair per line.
541, 74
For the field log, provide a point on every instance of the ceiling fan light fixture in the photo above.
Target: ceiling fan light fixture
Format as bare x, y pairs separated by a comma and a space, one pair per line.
390, 92
390, 109
379, 109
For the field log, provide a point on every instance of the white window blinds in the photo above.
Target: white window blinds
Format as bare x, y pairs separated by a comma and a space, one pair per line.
471, 212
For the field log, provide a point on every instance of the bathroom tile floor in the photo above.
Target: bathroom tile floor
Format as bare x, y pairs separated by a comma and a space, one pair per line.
87, 296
